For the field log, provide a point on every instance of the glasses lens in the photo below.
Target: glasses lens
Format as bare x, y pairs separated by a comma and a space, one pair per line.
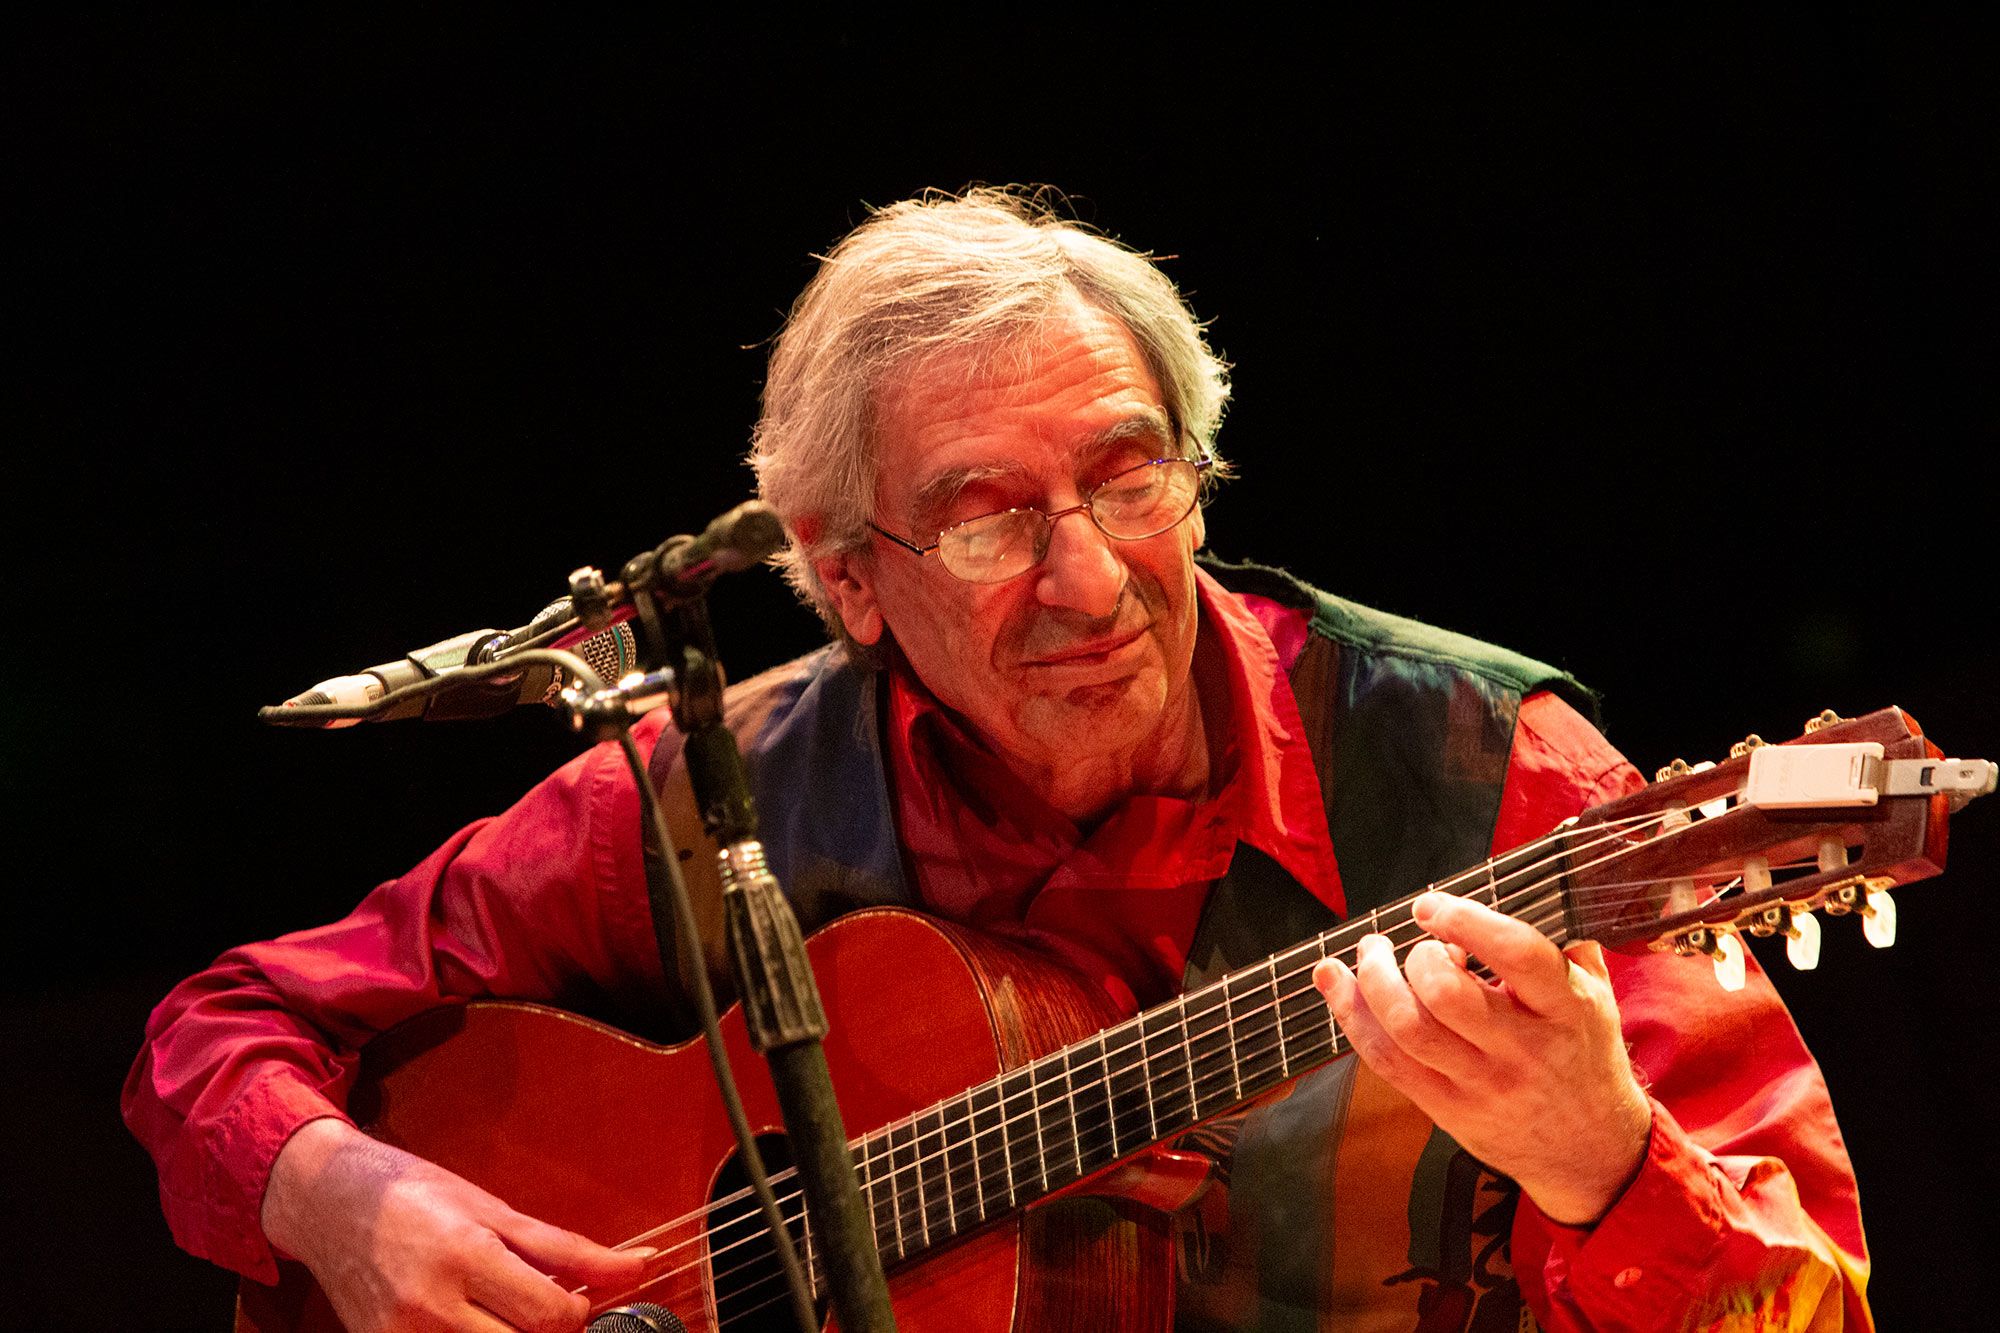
994, 547
1146, 500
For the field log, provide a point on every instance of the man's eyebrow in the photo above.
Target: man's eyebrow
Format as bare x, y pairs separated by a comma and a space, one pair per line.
936, 495
1148, 424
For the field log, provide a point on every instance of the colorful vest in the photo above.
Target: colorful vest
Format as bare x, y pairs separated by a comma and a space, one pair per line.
1410, 729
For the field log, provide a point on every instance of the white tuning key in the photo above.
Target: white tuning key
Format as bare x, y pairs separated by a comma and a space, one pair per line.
1802, 942
1878, 919
1716, 807
1728, 956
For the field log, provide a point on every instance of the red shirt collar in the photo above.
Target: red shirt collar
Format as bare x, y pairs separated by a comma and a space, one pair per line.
1122, 901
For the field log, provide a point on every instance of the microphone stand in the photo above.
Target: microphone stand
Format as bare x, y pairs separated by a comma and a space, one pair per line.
781, 1003
666, 592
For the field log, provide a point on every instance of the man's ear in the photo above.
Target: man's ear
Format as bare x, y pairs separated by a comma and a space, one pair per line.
1200, 529
850, 585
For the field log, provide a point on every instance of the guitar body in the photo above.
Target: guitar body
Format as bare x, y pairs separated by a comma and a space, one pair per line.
593, 1130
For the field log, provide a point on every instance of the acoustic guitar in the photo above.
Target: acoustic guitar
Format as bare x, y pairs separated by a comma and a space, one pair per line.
990, 1087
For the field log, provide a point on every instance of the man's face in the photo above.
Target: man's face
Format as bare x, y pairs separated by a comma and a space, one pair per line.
1086, 656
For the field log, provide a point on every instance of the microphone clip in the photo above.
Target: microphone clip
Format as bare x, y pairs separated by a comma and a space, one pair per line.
599, 715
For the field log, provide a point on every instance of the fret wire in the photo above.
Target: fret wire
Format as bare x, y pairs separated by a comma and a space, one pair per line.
806, 1231
1208, 1038
1127, 1087
1187, 1046
1069, 1101
1007, 1148
1284, 1060
1025, 1123
950, 1187
1146, 1073
923, 1190
1229, 1038
896, 1199
914, 1164
1157, 1029
1110, 1106
1041, 1146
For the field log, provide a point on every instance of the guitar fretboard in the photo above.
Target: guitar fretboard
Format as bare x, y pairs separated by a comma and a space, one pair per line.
1036, 1129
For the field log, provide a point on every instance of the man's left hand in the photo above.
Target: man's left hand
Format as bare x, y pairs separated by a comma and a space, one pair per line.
1527, 1072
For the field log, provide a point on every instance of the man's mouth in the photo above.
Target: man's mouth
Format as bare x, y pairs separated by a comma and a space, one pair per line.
1089, 652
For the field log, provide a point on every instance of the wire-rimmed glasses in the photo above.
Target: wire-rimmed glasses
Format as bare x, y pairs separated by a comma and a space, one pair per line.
1129, 506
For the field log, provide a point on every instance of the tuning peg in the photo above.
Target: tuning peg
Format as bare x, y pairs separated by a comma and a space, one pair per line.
1728, 957
1832, 854
1827, 717
1878, 919
1802, 941
1745, 746
1678, 769
1710, 809
1724, 950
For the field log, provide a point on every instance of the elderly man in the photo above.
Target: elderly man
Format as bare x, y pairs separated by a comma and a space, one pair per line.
988, 430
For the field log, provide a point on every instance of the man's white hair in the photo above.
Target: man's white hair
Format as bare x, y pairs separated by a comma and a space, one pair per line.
972, 272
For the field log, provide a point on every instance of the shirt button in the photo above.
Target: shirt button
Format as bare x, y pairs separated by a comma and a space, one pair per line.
1626, 1277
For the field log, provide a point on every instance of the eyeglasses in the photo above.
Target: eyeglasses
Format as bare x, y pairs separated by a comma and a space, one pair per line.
1130, 506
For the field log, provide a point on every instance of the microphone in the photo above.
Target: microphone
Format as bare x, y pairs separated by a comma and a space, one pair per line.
638, 1317
681, 567
611, 653
740, 539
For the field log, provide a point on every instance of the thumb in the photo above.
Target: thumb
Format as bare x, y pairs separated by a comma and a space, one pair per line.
568, 1256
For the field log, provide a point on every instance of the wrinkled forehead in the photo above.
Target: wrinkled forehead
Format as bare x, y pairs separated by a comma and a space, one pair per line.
1024, 416
1074, 374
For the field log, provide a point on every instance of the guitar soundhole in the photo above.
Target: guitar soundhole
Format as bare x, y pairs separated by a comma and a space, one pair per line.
749, 1283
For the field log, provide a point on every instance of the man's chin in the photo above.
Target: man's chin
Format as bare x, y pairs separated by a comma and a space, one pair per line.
1102, 715
1101, 697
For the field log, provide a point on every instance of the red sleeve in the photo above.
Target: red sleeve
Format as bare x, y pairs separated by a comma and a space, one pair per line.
1744, 1213
528, 905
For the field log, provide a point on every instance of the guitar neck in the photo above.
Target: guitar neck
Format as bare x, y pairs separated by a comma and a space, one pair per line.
1050, 1123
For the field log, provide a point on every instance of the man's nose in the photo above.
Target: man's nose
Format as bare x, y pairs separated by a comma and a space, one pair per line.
1080, 572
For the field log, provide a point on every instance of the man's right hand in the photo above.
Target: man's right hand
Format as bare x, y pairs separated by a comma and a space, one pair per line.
397, 1243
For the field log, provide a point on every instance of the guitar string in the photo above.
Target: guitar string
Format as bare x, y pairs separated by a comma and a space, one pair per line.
895, 1170
1192, 1069
1076, 1140
797, 1217
1474, 873
758, 1231
738, 1292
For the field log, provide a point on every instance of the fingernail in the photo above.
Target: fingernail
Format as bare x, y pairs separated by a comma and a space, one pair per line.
644, 1251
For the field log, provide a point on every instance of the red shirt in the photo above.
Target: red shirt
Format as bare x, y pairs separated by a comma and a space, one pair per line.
1746, 1185
1121, 900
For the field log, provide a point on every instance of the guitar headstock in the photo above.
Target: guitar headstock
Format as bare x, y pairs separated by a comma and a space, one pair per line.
1762, 840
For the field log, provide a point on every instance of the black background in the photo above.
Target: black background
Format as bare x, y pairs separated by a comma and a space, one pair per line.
1657, 348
